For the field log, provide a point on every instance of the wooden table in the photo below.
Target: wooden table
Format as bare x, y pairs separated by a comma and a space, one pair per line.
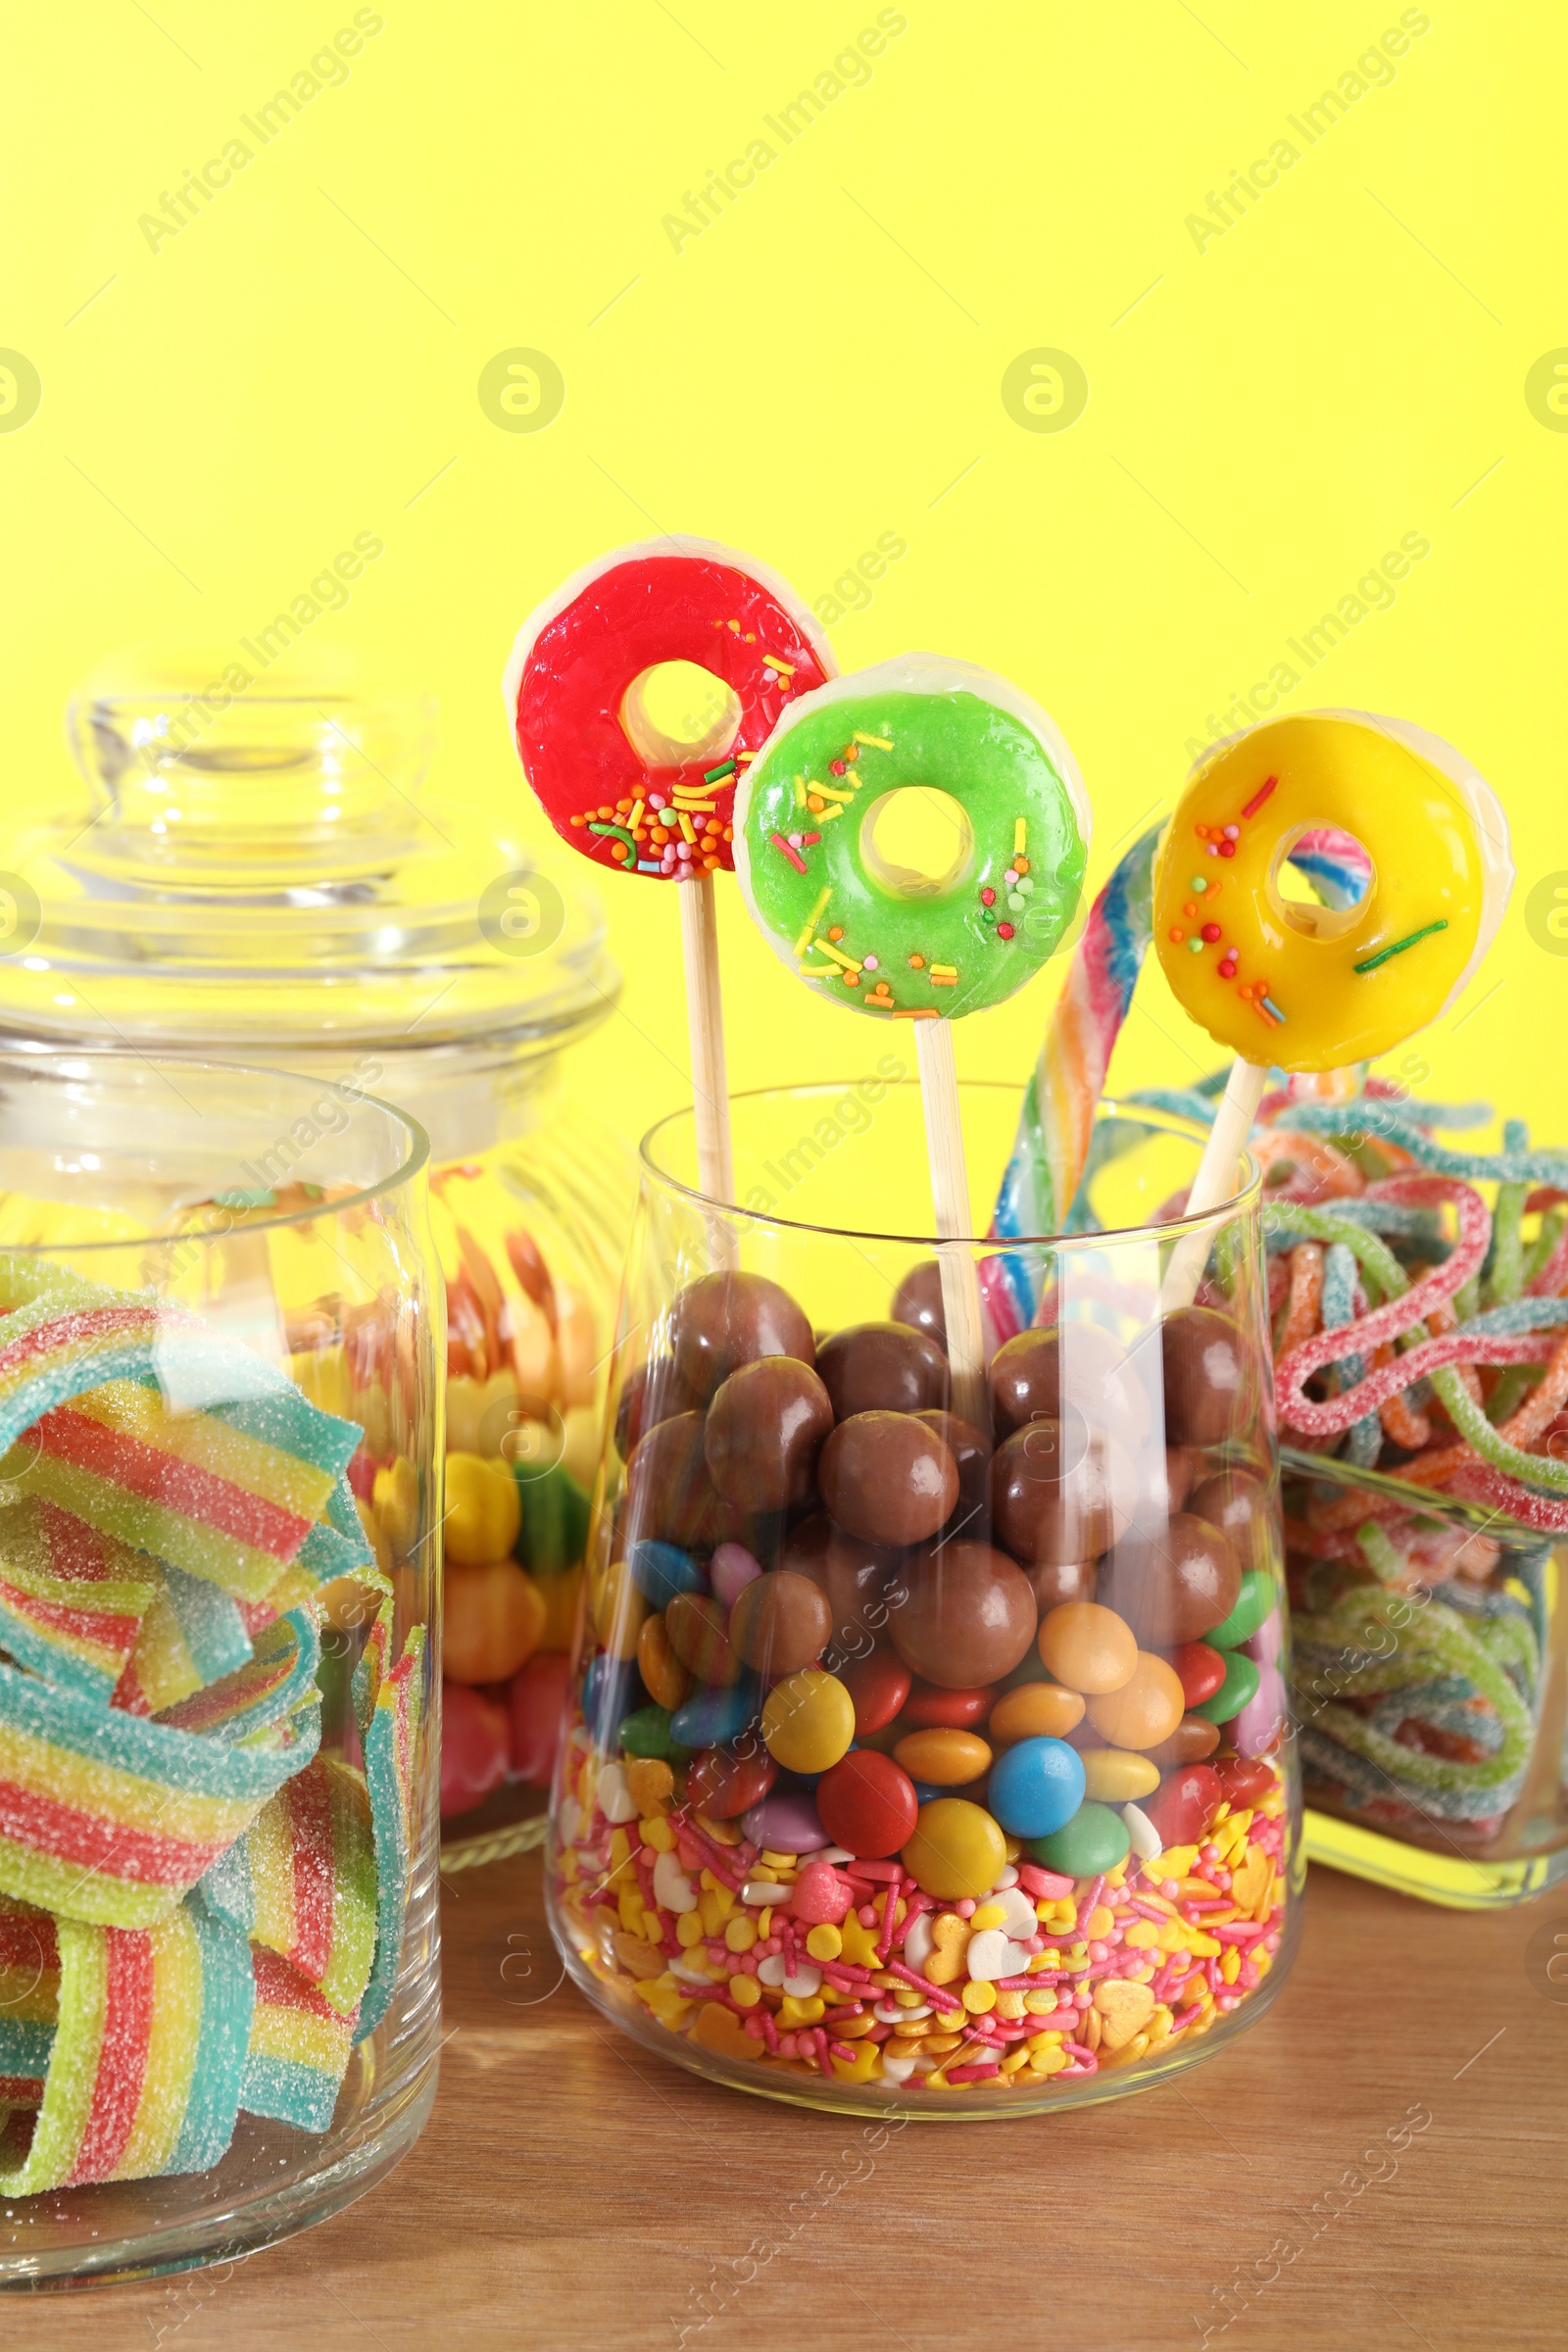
571, 2191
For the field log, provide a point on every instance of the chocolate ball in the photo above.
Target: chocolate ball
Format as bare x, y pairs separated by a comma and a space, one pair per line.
888, 1479
969, 1617
856, 1577
1060, 1492
653, 1392
882, 1367
1210, 1386
765, 1427
780, 1622
726, 1320
917, 1301
1061, 1579
1236, 1503
1035, 1369
1172, 1585
970, 1448
669, 1493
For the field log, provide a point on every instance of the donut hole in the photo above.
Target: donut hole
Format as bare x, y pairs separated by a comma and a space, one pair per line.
916, 842
677, 713
1320, 880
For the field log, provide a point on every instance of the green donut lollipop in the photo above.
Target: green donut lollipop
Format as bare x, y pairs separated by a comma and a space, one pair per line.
813, 816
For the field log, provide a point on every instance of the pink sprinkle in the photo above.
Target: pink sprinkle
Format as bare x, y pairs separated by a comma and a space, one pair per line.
843, 2049
1148, 1911
1076, 2049
769, 2029
973, 2074
799, 862
937, 1994
967, 1909
808, 841
867, 1915
875, 1869
1091, 1903
823, 2061
884, 1941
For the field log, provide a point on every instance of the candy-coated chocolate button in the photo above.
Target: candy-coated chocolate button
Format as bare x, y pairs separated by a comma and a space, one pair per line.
956, 1852
1116, 1776
969, 1616
668, 1682
1094, 1841
942, 1758
1035, 1711
619, 1611
878, 1686
732, 1568
698, 1630
723, 1784
1250, 1610
1185, 1803
808, 1721
786, 1822
1259, 1727
1244, 1781
1200, 1669
662, 1570
646, 1733
1190, 1743
1088, 1647
608, 1692
868, 1803
929, 1706
781, 1622
1144, 1710
1036, 1788
1239, 1684
709, 1717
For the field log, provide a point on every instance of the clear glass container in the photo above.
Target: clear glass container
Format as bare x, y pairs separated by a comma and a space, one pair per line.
220, 1984
912, 1765
1431, 1680
257, 877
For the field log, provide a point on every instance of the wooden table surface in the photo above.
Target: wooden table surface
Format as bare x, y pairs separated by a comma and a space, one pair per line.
1383, 2162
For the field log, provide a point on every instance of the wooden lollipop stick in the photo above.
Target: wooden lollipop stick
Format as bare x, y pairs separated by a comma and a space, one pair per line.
705, 1020
1215, 1180
949, 1196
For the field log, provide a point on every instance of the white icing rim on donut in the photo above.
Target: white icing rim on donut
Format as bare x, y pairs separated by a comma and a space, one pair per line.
636, 551
1484, 810
910, 673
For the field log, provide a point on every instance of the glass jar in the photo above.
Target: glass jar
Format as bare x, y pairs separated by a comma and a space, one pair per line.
256, 878
1431, 1681
220, 1989
909, 1764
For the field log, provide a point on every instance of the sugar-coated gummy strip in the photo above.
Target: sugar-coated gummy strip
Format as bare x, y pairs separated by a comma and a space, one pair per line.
299, 2047
72, 1601
390, 1702
302, 1882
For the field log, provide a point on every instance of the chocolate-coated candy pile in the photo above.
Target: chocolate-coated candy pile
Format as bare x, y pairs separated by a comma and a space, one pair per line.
913, 1753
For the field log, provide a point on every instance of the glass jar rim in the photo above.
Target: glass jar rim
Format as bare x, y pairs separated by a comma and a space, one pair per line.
1163, 1122
66, 1062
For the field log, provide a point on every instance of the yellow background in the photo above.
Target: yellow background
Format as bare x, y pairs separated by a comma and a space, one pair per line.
821, 365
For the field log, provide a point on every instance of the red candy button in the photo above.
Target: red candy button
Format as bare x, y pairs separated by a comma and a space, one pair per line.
1184, 1804
928, 1708
1200, 1671
879, 1686
1243, 1780
868, 1803
723, 1784
473, 1748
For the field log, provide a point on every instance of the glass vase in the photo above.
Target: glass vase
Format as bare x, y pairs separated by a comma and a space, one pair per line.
914, 1763
220, 1994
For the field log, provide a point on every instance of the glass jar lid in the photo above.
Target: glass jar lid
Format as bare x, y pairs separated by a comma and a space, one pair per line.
254, 869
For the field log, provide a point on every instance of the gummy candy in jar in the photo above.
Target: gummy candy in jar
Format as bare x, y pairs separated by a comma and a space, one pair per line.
925, 1756
217, 1876
288, 890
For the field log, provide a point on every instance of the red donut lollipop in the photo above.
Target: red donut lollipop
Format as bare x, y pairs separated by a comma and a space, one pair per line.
610, 781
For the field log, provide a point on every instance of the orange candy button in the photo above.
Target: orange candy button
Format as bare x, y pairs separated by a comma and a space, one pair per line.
1089, 1647
1035, 1711
1144, 1710
942, 1757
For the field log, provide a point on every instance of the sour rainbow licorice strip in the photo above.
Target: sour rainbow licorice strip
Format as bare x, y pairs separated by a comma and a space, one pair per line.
72, 1601
144, 2075
278, 1678
193, 1634
390, 1703
30, 2001
303, 1881
109, 1817
299, 2047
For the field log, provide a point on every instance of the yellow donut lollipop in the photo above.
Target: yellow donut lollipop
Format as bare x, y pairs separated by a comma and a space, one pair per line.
1292, 982
1307, 986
